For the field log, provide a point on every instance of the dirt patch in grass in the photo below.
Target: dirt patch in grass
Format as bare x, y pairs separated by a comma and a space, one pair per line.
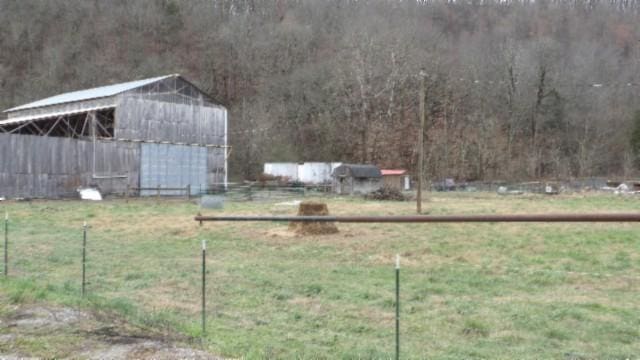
279, 232
309, 304
71, 333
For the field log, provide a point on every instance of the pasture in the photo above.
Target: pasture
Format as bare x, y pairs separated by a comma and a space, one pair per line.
525, 291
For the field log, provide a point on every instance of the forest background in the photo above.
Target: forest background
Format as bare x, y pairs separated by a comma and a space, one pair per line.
514, 89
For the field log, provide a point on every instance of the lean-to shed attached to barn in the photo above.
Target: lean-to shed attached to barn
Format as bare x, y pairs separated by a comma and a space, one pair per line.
162, 131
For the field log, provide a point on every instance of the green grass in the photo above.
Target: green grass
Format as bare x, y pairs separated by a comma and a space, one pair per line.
468, 290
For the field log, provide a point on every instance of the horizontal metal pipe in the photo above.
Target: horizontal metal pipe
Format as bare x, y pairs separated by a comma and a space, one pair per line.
161, 189
614, 217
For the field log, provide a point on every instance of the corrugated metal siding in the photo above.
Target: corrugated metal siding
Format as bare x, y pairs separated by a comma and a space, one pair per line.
55, 110
358, 171
173, 166
216, 170
94, 93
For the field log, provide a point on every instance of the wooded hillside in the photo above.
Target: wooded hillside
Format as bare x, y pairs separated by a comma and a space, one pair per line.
515, 89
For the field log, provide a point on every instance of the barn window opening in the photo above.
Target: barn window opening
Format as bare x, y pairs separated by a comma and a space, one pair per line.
76, 126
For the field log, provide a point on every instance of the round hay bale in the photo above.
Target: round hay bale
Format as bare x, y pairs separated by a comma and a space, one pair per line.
310, 208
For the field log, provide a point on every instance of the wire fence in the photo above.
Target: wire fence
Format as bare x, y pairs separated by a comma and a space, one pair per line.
265, 192
257, 191
88, 262
539, 187
107, 264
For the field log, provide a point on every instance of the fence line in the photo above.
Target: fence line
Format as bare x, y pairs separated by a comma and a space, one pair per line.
193, 261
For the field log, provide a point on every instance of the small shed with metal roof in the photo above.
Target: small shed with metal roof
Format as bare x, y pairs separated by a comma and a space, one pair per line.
157, 132
352, 179
396, 178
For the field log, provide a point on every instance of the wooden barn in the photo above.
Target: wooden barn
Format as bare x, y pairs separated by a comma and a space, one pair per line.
155, 132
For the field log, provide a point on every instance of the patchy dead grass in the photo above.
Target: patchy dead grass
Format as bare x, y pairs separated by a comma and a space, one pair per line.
468, 290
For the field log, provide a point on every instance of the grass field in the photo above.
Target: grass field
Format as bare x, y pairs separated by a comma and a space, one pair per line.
527, 291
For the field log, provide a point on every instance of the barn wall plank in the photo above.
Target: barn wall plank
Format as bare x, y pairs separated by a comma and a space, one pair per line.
53, 167
145, 117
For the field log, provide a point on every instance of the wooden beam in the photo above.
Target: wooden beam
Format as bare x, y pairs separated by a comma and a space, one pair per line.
105, 132
54, 125
84, 125
40, 131
18, 128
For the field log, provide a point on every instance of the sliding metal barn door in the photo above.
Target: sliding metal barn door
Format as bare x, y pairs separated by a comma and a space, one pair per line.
173, 166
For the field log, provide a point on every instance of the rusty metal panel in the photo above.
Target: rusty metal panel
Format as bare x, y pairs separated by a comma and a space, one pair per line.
594, 217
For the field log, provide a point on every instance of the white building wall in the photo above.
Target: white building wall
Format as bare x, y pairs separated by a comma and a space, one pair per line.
314, 172
289, 170
310, 172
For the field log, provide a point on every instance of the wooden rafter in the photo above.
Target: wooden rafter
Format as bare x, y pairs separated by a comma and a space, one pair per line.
84, 124
18, 128
38, 128
53, 126
99, 125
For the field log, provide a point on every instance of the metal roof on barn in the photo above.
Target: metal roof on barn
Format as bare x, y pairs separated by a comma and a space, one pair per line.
357, 171
88, 94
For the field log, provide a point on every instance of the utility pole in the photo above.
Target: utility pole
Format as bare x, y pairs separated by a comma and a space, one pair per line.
421, 142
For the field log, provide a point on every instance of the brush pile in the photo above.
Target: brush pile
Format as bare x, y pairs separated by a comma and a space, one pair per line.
386, 193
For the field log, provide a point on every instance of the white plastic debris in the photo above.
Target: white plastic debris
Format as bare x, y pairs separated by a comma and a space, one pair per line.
289, 203
503, 190
90, 194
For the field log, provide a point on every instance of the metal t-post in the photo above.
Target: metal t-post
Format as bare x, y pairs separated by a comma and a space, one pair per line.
397, 307
204, 281
84, 256
6, 244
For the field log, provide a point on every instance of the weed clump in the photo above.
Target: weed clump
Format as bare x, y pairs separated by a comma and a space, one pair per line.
386, 193
474, 327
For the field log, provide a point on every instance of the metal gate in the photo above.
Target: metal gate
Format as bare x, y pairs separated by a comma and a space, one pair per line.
172, 166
